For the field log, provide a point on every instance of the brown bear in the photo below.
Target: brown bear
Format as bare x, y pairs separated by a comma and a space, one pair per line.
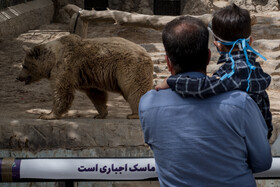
94, 66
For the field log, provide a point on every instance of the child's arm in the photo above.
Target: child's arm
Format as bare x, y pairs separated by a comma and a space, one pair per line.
202, 87
162, 85
208, 86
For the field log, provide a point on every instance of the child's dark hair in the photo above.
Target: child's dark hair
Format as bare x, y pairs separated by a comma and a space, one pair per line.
231, 23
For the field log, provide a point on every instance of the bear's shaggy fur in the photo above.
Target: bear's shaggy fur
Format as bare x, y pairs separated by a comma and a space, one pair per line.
93, 66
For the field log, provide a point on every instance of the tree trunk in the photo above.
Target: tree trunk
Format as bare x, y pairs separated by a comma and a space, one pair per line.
80, 19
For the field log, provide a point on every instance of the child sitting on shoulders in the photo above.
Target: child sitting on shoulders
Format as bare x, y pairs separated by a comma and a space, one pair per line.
231, 28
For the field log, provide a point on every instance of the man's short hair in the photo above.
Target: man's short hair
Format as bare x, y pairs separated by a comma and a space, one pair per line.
231, 23
185, 40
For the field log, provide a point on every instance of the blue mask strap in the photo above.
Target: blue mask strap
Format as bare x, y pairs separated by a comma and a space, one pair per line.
228, 75
245, 45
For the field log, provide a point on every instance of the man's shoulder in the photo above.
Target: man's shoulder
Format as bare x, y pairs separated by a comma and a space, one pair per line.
155, 98
168, 97
234, 97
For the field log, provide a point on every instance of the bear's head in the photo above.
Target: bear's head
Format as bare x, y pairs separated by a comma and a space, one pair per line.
32, 70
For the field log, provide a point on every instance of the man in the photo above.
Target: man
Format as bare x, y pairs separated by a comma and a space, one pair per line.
218, 141
239, 70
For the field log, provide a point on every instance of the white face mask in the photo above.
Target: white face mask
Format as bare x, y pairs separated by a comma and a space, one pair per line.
225, 42
220, 39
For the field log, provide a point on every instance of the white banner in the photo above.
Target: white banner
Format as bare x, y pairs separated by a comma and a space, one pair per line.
92, 169
12, 169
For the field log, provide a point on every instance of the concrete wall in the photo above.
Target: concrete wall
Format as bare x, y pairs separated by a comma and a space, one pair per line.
23, 17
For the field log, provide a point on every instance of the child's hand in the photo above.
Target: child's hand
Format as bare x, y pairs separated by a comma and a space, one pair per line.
162, 85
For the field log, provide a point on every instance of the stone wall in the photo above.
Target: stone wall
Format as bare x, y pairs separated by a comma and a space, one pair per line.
23, 17
194, 7
208, 6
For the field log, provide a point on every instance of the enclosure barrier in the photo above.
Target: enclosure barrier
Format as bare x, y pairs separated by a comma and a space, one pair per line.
92, 169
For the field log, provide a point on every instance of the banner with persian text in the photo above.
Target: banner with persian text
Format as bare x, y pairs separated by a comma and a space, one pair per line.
79, 169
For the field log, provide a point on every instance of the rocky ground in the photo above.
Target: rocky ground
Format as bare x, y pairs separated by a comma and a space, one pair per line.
22, 104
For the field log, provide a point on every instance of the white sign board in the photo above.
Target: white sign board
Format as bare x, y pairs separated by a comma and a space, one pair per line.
99, 169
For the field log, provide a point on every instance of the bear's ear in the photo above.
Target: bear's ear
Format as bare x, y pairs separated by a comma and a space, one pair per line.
35, 52
32, 52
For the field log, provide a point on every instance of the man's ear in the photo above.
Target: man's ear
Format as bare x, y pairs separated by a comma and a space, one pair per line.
169, 65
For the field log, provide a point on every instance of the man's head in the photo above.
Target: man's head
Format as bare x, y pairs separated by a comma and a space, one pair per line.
231, 23
185, 40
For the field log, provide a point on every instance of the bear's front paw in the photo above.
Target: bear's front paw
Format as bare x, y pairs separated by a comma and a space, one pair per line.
100, 116
49, 116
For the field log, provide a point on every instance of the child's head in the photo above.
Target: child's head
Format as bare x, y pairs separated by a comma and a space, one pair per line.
231, 23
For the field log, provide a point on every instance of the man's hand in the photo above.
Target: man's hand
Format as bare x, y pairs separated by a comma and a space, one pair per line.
162, 85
